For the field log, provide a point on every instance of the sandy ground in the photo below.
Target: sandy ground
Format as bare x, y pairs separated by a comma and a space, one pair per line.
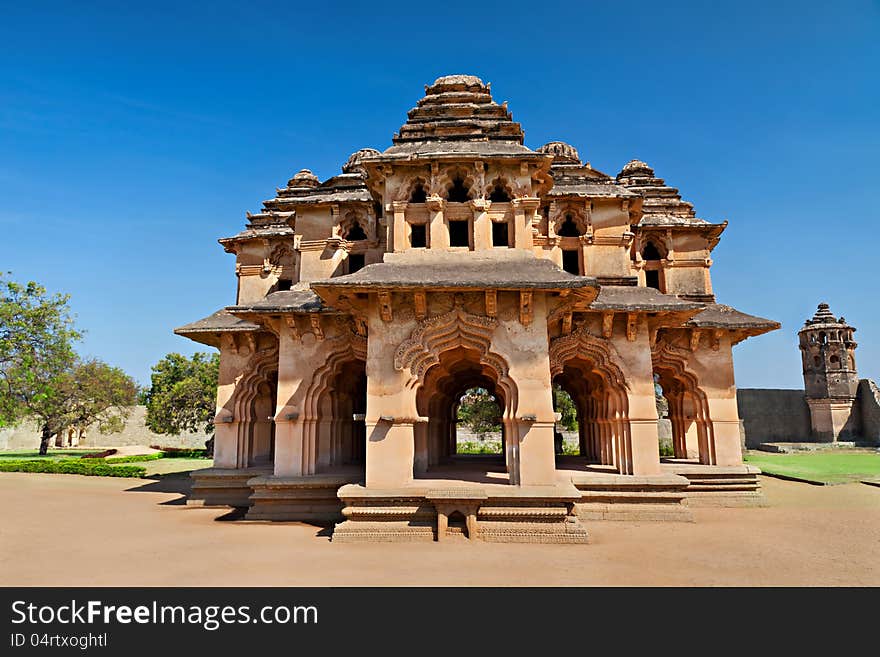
67, 530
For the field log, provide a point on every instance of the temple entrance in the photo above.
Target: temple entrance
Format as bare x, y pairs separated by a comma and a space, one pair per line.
459, 377
600, 408
342, 407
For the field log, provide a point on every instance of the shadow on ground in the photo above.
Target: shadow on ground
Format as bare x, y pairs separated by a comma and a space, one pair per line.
175, 482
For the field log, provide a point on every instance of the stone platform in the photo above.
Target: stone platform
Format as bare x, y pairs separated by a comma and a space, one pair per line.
223, 487
723, 486
489, 512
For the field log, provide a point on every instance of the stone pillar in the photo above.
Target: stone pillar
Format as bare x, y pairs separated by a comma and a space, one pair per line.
297, 361
641, 453
398, 229
438, 230
420, 459
523, 213
482, 224
227, 451
391, 406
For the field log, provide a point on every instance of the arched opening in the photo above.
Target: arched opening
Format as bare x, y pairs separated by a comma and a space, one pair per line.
601, 413
355, 233
419, 195
341, 410
440, 453
499, 194
569, 228
650, 252
458, 192
688, 415
261, 426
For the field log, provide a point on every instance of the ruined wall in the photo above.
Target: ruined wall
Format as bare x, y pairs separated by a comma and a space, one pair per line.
770, 415
868, 401
27, 436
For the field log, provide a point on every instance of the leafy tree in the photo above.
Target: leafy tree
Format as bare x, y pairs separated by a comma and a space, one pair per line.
183, 394
97, 393
36, 354
565, 405
479, 411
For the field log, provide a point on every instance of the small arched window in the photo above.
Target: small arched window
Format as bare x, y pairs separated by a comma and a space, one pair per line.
458, 193
569, 228
499, 195
418, 194
355, 233
650, 252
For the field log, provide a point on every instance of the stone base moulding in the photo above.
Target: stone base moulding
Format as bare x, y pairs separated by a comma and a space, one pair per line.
223, 486
628, 497
305, 499
730, 486
503, 514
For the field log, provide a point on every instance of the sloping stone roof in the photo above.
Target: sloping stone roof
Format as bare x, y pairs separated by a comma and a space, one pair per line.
632, 298
518, 271
208, 329
662, 205
717, 315
302, 301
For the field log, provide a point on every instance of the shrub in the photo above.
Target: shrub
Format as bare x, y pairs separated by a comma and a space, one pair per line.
89, 467
99, 455
135, 458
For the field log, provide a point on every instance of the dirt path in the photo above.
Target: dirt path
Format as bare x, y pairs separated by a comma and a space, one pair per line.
69, 530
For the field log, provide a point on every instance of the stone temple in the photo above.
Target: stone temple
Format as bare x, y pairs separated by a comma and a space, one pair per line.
367, 304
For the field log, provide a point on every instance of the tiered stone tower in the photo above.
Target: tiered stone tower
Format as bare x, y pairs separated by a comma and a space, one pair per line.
830, 377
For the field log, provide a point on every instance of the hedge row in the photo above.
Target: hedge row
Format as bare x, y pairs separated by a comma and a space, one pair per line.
182, 452
134, 458
88, 467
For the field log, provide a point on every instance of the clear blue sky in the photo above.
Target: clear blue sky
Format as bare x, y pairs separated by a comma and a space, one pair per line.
132, 138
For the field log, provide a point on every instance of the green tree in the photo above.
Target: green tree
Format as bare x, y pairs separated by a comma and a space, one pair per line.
479, 411
564, 404
182, 394
97, 393
36, 355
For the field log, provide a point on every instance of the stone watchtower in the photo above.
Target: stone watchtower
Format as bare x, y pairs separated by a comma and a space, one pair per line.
830, 377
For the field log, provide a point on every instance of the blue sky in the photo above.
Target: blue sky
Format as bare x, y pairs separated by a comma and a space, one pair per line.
132, 138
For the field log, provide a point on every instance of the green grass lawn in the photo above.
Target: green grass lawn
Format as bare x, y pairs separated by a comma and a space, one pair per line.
70, 462
831, 467
18, 455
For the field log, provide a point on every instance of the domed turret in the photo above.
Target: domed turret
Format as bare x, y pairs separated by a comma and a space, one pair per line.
562, 153
353, 163
830, 378
304, 178
635, 169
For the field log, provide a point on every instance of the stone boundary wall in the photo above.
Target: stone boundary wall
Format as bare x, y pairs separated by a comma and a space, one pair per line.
868, 400
773, 416
135, 432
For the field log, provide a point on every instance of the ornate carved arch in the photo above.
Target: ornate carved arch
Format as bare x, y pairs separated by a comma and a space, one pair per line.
500, 182
456, 328
674, 359
359, 217
409, 185
260, 366
582, 344
578, 215
444, 182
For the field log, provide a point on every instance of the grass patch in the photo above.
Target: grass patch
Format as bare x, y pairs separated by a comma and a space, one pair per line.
19, 455
134, 458
837, 467
88, 467
478, 447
